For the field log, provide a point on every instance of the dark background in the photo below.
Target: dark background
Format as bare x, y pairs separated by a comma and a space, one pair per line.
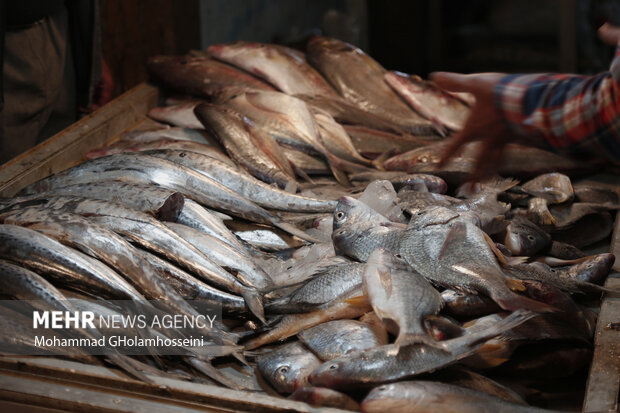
414, 36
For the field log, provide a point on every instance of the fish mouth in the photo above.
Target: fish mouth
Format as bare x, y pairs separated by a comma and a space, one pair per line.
514, 244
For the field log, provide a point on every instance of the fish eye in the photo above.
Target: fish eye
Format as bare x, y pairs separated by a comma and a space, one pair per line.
341, 232
182, 154
420, 213
530, 237
339, 215
333, 366
382, 388
283, 369
398, 256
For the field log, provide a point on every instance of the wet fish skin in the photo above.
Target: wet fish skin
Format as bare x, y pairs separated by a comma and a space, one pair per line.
281, 66
287, 367
467, 305
165, 132
339, 337
401, 297
181, 115
163, 144
350, 211
438, 243
566, 215
62, 264
554, 187
359, 79
401, 181
359, 245
429, 100
523, 237
250, 147
324, 397
564, 251
585, 192
373, 143
430, 396
199, 76
251, 188
585, 231
594, 269
336, 139
390, 363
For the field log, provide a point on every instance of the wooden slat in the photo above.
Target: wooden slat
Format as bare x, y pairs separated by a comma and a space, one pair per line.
68, 147
41, 375
604, 379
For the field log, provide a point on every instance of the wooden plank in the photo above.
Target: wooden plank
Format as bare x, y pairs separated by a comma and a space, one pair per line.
603, 384
71, 373
68, 147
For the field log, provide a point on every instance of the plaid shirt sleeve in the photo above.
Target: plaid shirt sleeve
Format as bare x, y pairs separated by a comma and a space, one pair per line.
571, 114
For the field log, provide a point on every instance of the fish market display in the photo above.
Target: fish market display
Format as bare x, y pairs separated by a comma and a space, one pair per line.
299, 195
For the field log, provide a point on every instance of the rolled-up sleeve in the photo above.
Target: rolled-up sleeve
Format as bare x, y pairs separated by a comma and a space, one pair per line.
571, 114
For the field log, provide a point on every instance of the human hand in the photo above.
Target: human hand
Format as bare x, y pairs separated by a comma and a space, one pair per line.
609, 34
485, 123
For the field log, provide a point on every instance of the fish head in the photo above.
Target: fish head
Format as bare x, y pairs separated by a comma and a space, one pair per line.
350, 211
594, 269
523, 237
435, 215
386, 397
342, 239
333, 374
289, 370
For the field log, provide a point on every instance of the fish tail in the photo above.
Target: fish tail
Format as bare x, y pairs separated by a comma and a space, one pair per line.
512, 302
293, 230
406, 339
253, 299
380, 160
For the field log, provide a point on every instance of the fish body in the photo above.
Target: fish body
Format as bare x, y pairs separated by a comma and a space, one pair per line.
181, 115
281, 66
324, 397
166, 132
373, 143
339, 337
287, 367
359, 79
523, 237
401, 297
432, 396
429, 100
200, 76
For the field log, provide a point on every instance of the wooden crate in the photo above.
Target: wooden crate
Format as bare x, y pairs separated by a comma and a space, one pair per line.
51, 385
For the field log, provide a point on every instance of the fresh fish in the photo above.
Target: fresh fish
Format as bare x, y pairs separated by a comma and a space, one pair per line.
163, 144
265, 238
351, 211
199, 76
287, 368
593, 269
415, 201
567, 279
173, 133
347, 113
359, 244
555, 188
339, 337
63, 265
587, 192
245, 185
399, 180
181, 115
332, 285
566, 215
224, 255
438, 243
523, 237
359, 79
564, 251
430, 396
281, 66
149, 170
467, 305
389, 363
401, 297
324, 397
249, 146
290, 122
586, 231
430, 101
309, 164
191, 288
373, 143
336, 139
289, 325
164, 204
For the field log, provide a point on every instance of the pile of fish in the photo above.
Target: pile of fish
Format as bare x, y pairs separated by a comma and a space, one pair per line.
300, 193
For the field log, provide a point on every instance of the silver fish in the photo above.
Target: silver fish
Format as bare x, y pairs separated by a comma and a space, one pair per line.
339, 337
287, 368
181, 115
323, 397
430, 396
390, 363
400, 297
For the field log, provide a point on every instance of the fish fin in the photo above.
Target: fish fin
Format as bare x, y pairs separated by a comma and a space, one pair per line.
512, 301
293, 230
458, 230
406, 339
254, 302
491, 362
359, 300
380, 160
303, 175
558, 262
500, 256
393, 225
499, 184
539, 211
489, 348
516, 260
386, 281
515, 285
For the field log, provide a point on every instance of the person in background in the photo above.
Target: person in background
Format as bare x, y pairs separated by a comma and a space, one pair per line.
51, 69
575, 115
